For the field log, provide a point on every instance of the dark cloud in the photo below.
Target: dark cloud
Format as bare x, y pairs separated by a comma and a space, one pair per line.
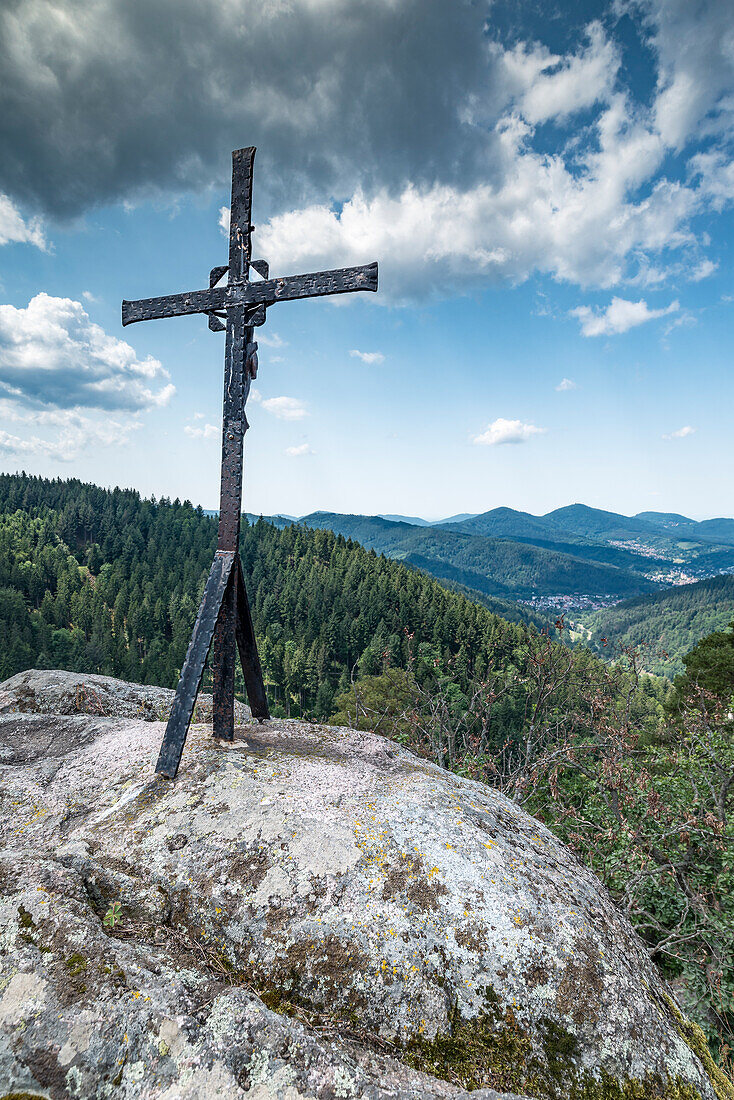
116, 98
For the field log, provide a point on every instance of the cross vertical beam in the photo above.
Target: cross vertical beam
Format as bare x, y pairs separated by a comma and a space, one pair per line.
234, 426
240, 215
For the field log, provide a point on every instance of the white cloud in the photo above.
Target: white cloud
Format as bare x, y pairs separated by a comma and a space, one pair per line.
285, 408
67, 433
694, 44
507, 431
449, 182
207, 432
52, 355
619, 316
580, 224
545, 85
13, 228
702, 270
299, 451
271, 341
369, 357
715, 175
566, 384
681, 433
67, 385
595, 211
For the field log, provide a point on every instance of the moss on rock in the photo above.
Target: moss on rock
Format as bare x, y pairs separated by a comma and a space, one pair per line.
492, 1050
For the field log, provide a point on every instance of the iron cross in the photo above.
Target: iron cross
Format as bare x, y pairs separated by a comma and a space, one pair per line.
238, 306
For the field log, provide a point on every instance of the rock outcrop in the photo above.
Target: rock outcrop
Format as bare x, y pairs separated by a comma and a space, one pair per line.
38, 691
308, 912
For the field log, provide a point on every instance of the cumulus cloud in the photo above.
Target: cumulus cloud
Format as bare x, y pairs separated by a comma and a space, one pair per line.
566, 384
694, 47
66, 385
619, 316
61, 434
208, 431
578, 226
285, 408
714, 173
507, 431
681, 433
702, 270
52, 354
368, 357
451, 183
300, 451
546, 85
14, 229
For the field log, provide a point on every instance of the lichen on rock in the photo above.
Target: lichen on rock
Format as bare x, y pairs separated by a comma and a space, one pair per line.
307, 912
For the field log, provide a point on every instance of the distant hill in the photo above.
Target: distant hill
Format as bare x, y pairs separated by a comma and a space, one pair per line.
667, 624
579, 519
569, 558
415, 520
453, 519
506, 523
495, 567
715, 530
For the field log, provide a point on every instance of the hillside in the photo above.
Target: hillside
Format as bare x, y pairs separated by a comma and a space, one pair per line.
667, 624
103, 581
651, 542
573, 559
496, 567
716, 530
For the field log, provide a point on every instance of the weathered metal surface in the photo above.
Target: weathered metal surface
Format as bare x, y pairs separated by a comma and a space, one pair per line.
225, 613
223, 665
234, 426
249, 657
174, 738
216, 319
316, 284
240, 214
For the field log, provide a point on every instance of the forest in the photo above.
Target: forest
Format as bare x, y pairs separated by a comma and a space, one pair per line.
665, 625
635, 773
501, 567
103, 581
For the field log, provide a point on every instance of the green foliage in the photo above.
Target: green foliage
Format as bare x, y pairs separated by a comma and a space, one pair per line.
492, 566
113, 915
710, 666
96, 580
666, 625
378, 702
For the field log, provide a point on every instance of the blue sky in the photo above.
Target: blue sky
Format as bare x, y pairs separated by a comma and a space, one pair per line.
548, 194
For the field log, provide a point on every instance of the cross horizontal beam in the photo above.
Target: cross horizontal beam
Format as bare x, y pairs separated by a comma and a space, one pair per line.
267, 292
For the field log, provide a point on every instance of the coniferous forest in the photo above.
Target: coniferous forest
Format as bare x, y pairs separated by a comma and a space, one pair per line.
636, 774
103, 581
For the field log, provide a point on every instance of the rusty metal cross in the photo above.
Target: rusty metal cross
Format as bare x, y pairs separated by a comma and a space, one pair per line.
239, 306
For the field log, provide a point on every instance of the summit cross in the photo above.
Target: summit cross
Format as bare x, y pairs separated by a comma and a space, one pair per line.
239, 307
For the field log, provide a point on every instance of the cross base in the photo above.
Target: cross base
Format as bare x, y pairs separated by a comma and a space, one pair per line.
224, 617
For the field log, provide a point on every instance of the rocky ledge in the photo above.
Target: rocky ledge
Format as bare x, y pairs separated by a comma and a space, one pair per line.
308, 912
